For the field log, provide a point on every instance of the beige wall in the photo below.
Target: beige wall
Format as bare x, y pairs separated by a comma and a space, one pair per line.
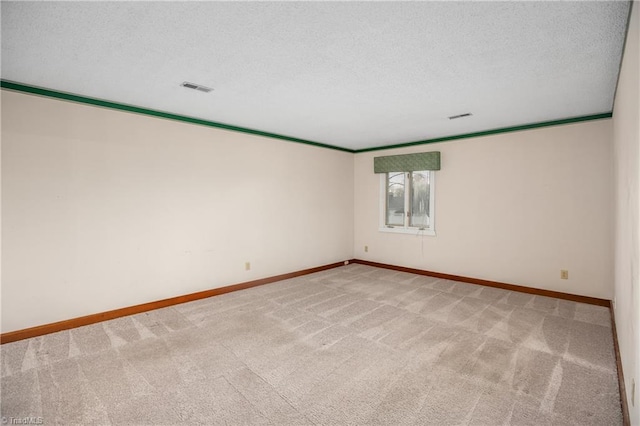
104, 209
515, 207
626, 132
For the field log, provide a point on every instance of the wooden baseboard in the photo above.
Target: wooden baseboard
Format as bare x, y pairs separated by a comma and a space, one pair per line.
626, 421
487, 283
41, 330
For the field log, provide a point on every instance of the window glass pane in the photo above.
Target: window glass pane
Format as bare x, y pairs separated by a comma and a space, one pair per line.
395, 199
420, 187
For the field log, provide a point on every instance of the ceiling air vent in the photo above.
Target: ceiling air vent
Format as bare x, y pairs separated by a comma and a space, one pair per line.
466, 114
196, 87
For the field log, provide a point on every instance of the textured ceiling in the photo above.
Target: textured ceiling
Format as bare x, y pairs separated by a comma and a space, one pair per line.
349, 74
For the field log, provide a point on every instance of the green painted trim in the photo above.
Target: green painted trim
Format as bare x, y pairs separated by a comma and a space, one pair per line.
145, 111
492, 132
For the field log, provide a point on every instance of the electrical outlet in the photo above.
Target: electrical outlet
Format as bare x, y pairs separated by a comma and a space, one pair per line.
247, 266
366, 249
564, 274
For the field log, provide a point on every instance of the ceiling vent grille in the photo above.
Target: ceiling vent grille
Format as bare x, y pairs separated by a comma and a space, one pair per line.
466, 114
196, 87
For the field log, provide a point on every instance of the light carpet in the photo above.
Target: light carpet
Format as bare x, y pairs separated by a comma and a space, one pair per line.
351, 345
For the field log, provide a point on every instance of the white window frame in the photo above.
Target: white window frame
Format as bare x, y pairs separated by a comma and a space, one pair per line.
383, 227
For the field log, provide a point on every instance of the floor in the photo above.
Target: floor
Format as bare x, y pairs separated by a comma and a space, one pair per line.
350, 345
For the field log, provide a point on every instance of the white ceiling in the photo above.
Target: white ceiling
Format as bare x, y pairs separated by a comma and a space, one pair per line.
350, 74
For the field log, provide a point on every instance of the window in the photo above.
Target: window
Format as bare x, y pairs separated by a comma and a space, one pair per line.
407, 192
406, 200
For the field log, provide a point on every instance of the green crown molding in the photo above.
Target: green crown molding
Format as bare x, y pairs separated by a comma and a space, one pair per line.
493, 132
154, 113
145, 111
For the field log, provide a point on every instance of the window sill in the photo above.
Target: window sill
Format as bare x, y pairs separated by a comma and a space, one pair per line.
411, 231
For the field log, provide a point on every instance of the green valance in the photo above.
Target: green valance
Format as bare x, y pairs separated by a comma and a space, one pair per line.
407, 162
